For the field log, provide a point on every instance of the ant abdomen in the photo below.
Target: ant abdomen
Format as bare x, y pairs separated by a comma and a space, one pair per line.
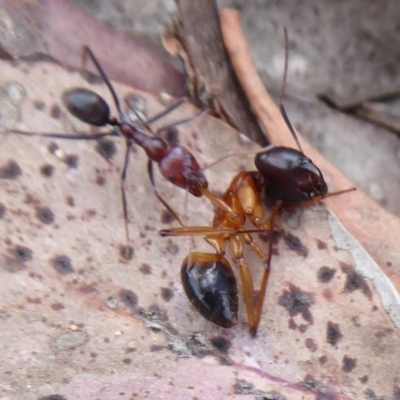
290, 176
210, 285
87, 106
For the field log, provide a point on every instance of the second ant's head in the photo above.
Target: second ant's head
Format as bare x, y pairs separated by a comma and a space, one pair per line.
290, 176
181, 169
87, 106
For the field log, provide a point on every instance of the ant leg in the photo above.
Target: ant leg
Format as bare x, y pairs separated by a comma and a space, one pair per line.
217, 201
168, 110
82, 136
181, 121
264, 282
129, 250
317, 199
87, 52
281, 106
155, 191
241, 153
236, 244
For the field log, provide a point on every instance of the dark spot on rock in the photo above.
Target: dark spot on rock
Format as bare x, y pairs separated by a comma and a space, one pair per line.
55, 111
321, 244
155, 313
396, 392
34, 300
90, 213
71, 160
52, 147
328, 295
10, 170
272, 395
21, 253
323, 359
333, 334
322, 392
172, 248
221, 344
364, 379
294, 244
70, 201
100, 180
156, 347
130, 349
2, 210
53, 397
39, 105
62, 264
129, 298
243, 387
355, 281
145, 269
388, 263
166, 217
45, 215
127, 361
57, 306
296, 301
106, 148
87, 289
325, 274
311, 345
370, 395
167, 294
126, 252
46, 170
348, 364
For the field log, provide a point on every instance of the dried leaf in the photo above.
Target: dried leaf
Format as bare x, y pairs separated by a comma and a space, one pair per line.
80, 321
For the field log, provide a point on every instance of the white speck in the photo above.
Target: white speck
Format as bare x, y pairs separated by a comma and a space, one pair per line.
15, 92
376, 192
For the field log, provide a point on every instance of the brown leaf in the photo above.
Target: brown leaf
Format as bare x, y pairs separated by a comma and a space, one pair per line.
81, 321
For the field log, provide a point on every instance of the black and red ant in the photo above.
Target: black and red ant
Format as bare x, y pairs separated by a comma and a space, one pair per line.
176, 163
285, 179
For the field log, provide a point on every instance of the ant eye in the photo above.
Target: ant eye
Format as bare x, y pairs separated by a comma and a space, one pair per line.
312, 195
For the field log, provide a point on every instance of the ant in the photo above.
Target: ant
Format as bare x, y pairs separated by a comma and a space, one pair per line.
176, 163
285, 179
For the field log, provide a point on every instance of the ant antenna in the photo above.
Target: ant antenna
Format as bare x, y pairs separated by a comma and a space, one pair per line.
87, 52
281, 107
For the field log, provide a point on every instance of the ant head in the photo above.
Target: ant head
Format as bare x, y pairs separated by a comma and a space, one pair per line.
290, 176
87, 106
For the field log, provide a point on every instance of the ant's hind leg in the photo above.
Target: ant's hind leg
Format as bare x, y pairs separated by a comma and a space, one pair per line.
155, 191
128, 251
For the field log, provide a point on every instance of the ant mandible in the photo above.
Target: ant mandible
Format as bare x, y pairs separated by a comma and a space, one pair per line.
285, 179
176, 163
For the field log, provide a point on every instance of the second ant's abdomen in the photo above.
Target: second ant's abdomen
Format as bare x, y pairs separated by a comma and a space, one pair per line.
211, 287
